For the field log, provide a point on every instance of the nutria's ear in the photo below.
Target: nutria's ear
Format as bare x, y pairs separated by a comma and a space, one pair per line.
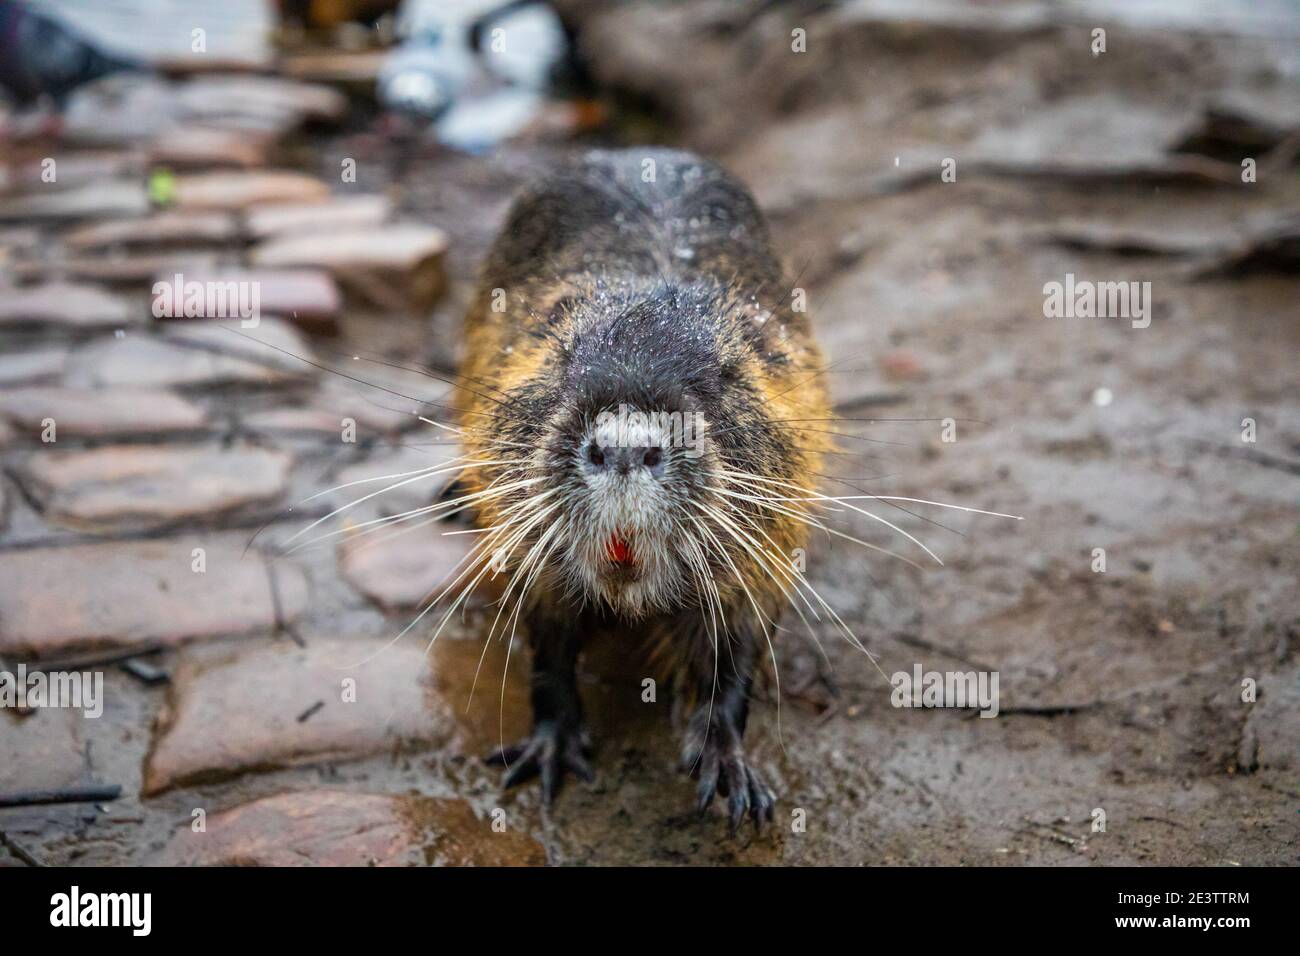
559, 309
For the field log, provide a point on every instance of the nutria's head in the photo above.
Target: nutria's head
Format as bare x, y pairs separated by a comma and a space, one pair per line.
631, 418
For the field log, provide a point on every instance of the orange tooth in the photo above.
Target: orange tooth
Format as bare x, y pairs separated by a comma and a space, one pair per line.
619, 549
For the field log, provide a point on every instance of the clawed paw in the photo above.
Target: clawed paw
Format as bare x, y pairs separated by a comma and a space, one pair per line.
727, 772
549, 752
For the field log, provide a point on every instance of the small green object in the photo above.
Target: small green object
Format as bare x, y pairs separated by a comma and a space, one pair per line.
162, 187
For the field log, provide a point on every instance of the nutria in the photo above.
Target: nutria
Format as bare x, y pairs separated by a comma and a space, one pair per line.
633, 390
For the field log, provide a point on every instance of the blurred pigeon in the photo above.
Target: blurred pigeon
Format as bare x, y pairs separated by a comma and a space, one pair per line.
423, 76
532, 42
40, 56
474, 69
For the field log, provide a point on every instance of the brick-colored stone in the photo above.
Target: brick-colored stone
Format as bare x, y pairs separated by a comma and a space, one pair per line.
293, 421
400, 569
241, 712
239, 190
105, 198
42, 751
201, 147
345, 212
405, 489
271, 342
94, 413
306, 294
142, 486
71, 170
213, 97
66, 304
152, 362
163, 228
398, 266
121, 267
126, 593
32, 366
338, 828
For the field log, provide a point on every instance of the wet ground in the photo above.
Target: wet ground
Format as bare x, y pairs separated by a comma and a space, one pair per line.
1121, 690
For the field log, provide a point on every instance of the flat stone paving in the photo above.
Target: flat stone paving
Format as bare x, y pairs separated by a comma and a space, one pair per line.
159, 454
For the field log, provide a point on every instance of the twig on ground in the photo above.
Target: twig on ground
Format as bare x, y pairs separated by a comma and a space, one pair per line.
89, 794
306, 714
17, 850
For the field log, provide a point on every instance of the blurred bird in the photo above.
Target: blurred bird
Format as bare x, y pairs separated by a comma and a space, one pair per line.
423, 76
41, 57
475, 70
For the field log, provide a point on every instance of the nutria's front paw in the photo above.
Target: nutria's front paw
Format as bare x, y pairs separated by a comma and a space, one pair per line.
724, 769
548, 752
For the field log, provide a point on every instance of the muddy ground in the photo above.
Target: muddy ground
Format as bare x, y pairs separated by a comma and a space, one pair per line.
1121, 690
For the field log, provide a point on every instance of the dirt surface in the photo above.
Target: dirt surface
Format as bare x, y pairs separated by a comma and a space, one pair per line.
1121, 690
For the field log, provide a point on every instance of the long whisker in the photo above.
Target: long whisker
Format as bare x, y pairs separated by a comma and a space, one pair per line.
874, 517
351, 378
763, 618
519, 603
820, 526
446, 508
923, 501
426, 371
477, 433
415, 476
430, 470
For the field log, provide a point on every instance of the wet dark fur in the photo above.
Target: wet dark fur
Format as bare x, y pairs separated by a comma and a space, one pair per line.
666, 295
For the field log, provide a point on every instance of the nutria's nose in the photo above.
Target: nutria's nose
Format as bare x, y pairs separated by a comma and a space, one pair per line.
623, 459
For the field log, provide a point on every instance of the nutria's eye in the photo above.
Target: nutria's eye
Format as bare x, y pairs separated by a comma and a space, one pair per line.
595, 454
653, 456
